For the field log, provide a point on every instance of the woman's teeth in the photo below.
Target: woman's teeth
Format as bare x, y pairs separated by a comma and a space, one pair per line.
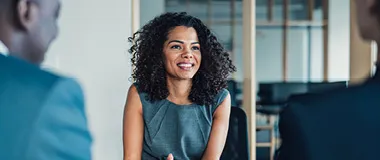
185, 65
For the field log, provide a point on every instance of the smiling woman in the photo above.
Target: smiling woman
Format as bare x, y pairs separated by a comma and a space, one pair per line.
182, 53
178, 105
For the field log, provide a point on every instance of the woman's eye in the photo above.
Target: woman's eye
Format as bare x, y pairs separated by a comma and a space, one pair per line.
176, 47
195, 48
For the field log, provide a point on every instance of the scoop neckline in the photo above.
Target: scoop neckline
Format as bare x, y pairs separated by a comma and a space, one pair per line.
181, 105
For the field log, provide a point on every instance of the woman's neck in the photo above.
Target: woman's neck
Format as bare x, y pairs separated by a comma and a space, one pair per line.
179, 90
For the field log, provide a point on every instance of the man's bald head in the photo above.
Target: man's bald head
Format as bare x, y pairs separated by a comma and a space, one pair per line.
5, 3
6, 7
27, 27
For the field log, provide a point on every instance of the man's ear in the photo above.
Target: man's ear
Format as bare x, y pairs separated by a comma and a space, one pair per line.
26, 14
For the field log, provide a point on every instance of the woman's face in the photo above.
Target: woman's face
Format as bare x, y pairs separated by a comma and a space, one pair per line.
182, 54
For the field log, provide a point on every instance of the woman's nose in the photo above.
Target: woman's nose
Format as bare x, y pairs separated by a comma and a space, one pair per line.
187, 54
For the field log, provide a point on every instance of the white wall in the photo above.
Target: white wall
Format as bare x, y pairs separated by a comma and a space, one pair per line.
339, 40
269, 52
297, 55
316, 56
268, 55
269, 48
150, 9
92, 46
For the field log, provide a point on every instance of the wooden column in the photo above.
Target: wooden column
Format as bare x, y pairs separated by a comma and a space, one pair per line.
233, 27
209, 13
135, 19
325, 6
360, 51
249, 84
270, 7
285, 40
310, 9
135, 15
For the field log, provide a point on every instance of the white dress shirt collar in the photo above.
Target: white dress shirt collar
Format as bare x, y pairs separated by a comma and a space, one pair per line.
3, 49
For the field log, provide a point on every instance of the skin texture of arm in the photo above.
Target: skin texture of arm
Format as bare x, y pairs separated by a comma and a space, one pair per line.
219, 130
133, 127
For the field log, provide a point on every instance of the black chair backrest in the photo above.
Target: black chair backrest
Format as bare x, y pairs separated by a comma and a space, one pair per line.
279, 92
237, 147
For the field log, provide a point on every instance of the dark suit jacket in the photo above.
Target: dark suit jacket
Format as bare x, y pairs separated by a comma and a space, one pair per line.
343, 124
41, 115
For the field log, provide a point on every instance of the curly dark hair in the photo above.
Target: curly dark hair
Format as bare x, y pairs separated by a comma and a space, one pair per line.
147, 59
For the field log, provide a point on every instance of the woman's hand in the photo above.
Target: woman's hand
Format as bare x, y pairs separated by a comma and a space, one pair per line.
170, 157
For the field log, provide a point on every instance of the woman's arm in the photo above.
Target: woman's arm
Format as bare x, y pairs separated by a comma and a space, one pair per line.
133, 127
219, 131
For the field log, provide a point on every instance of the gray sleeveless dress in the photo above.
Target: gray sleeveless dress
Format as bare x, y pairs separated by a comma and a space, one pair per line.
182, 130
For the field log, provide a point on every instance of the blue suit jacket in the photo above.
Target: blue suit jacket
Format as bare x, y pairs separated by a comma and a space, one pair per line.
42, 115
342, 124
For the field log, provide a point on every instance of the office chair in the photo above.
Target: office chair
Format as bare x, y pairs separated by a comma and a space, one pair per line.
236, 147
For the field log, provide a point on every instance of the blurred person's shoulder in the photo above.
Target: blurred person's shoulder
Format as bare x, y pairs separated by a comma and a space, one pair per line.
27, 74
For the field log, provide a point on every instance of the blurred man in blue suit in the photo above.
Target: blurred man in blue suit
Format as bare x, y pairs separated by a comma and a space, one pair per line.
42, 115
343, 124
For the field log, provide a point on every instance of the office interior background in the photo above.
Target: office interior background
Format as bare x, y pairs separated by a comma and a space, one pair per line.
291, 42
